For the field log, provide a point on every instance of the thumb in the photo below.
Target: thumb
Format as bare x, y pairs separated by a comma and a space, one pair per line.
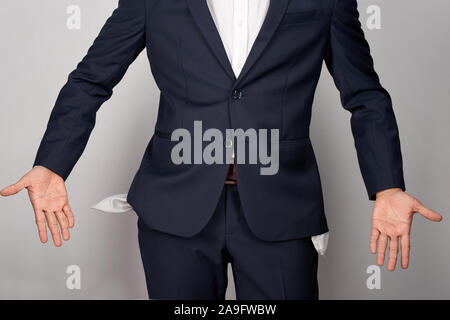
14, 188
427, 213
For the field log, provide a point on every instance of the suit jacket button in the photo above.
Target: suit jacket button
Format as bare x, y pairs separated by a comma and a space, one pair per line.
237, 94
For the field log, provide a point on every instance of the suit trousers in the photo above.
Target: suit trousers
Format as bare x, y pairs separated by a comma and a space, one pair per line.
195, 268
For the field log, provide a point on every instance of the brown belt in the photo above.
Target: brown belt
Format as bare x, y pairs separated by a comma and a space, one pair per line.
231, 176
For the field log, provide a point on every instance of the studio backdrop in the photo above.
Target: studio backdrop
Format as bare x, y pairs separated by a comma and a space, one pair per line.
42, 41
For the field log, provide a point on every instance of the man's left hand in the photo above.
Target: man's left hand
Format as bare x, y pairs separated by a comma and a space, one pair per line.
391, 219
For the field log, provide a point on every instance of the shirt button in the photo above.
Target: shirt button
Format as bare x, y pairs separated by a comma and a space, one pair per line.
237, 94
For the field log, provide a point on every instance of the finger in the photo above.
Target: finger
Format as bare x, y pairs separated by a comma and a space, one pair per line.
393, 253
427, 213
14, 188
69, 214
382, 244
53, 226
373, 240
40, 222
64, 224
405, 243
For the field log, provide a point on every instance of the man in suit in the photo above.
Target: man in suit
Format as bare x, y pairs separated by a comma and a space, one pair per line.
242, 64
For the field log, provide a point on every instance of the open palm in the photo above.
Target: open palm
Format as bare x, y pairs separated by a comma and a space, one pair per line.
391, 220
48, 196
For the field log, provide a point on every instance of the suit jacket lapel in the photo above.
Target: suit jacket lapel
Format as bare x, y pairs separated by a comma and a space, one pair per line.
202, 16
275, 13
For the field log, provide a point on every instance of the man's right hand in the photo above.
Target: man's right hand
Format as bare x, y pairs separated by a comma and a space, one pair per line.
48, 197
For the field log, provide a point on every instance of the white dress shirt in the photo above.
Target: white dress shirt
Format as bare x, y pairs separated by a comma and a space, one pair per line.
238, 23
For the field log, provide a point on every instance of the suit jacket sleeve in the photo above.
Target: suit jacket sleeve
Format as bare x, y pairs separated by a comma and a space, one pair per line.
373, 122
72, 118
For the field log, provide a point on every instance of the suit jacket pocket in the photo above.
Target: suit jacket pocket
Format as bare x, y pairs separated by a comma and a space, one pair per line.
299, 17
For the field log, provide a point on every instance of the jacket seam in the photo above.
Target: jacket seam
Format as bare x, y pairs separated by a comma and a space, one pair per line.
286, 86
181, 112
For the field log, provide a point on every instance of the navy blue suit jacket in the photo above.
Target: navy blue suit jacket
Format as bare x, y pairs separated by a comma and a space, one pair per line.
278, 81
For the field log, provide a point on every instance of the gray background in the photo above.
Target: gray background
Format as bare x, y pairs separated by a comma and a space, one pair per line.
411, 53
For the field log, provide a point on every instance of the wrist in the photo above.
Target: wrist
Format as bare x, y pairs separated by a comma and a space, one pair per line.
386, 192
